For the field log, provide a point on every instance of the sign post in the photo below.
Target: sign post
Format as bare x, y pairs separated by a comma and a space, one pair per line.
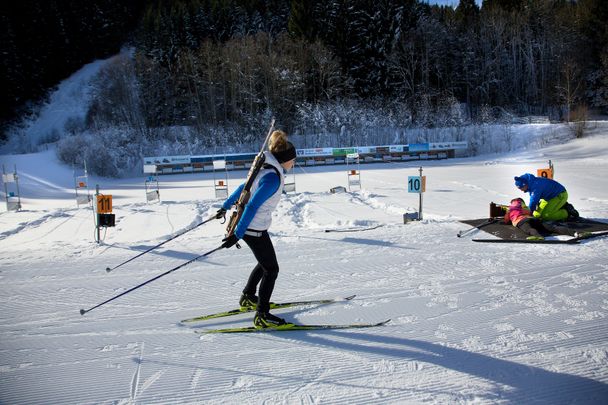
13, 201
82, 183
151, 183
291, 186
417, 184
547, 173
221, 186
354, 175
104, 217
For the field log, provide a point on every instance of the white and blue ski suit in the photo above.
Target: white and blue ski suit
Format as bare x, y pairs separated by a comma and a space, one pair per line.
253, 228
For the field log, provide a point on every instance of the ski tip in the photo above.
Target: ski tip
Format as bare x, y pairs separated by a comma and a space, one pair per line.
350, 297
108, 269
82, 311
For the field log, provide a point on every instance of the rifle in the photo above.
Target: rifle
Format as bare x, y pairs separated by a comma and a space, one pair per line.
256, 166
497, 210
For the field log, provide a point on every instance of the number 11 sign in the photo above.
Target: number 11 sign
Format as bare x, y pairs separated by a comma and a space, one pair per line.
104, 204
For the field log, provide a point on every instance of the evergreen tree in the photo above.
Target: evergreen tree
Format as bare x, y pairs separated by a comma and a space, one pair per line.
302, 20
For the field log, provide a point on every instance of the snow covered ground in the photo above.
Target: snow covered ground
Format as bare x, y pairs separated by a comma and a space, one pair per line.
470, 323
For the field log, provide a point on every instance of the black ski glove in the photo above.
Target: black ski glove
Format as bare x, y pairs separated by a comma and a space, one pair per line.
221, 213
230, 241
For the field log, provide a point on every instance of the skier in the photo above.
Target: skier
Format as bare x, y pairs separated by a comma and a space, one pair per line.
253, 227
548, 198
519, 215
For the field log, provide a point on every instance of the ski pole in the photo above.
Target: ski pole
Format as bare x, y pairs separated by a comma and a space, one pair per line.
84, 311
354, 229
159, 245
488, 222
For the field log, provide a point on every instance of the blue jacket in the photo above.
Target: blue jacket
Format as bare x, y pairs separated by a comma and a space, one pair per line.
541, 188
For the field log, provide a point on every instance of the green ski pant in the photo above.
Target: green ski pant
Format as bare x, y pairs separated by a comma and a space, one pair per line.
552, 210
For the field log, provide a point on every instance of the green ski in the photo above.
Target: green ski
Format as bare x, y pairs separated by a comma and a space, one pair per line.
291, 327
272, 306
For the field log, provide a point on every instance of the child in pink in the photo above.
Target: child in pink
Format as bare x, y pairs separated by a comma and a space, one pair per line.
520, 216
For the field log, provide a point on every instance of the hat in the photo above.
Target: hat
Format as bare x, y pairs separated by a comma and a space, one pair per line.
287, 154
520, 182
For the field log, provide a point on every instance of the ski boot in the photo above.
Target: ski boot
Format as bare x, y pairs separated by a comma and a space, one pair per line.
573, 214
248, 302
263, 320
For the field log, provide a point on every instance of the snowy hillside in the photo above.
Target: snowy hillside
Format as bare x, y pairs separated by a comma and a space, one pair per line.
67, 105
470, 323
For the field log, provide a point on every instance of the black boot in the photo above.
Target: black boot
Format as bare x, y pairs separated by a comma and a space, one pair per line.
248, 301
572, 213
263, 320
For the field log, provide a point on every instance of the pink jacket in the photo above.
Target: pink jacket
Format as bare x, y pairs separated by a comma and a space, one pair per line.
516, 212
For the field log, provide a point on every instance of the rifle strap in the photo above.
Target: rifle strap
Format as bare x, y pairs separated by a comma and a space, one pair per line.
269, 166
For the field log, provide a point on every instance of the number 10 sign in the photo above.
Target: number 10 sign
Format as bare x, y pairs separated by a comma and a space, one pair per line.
416, 184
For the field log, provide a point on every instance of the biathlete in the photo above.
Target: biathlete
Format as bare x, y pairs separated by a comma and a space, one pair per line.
253, 227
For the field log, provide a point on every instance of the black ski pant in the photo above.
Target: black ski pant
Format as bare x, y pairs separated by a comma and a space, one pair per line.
534, 226
265, 272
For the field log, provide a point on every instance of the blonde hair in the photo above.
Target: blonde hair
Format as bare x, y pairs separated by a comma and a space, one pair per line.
278, 141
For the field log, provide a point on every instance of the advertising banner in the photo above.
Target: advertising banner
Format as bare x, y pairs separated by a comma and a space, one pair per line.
418, 147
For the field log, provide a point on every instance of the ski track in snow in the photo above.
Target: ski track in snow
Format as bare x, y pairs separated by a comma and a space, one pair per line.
471, 323
135, 380
37, 223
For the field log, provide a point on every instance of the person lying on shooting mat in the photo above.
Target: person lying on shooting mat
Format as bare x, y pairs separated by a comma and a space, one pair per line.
520, 216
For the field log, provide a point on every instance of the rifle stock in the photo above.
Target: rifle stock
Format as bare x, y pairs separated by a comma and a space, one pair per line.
234, 219
237, 213
497, 210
